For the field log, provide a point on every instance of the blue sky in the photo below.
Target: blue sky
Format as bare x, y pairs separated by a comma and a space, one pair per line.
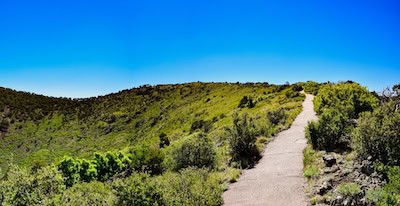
91, 47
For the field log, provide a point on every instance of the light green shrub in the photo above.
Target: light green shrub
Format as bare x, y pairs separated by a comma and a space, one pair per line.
138, 189
191, 187
86, 194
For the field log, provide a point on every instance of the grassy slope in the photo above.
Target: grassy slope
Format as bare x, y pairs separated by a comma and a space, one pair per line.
141, 114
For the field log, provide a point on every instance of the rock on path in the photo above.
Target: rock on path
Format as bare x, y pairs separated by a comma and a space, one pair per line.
278, 177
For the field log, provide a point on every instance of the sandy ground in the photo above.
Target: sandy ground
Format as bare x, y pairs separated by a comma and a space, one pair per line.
278, 177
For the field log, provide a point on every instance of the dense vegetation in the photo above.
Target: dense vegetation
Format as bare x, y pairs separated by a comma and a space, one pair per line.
152, 145
362, 127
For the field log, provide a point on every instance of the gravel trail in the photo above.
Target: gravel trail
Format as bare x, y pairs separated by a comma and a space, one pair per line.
277, 179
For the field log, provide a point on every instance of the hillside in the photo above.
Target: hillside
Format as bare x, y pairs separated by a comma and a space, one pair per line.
39, 130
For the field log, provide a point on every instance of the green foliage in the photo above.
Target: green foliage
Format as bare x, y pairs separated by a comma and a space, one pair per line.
195, 151
242, 141
348, 98
147, 157
110, 164
164, 141
388, 195
4, 124
311, 168
331, 132
43, 130
102, 168
138, 189
349, 189
201, 124
86, 194
277, 116
247, 101
191, 187
378, 135
23, 187
311, 87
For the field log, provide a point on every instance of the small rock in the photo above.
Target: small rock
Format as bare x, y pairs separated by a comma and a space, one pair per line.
331, 169
325, 187
329, 160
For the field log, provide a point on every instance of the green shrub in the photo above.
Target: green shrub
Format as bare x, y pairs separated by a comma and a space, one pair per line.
311, 87
381, 197
348, 98
331, 132
4, 124
194, 151
311, 171
349, 189
164, 141
138, 189
201, 124
247, 101
378, 135
147, 158
102, 168
290, 93
242, 141
21, 187
311, 168
110, 164
277, 116
191, 187
82, 194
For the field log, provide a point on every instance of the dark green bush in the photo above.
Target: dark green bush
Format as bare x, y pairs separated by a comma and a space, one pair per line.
331, 132
4, 124
147, 158
195, 151
201, 124
242, 141
378, 134
349, 98
277, 116
247, 101
138, 189
191, 187
164, 141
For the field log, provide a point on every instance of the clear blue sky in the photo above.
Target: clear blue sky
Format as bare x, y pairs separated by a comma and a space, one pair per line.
90, 47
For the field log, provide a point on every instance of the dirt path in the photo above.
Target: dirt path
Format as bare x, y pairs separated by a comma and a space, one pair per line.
278, 178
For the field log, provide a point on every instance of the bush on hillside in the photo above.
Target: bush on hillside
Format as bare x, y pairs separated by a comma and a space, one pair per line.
147, 158
349, 98
242, 141
311, 87
201, 124
138, 189
164, 141
277, 116
195, 151
331, 132
22, 187
86, 194
102, 168
247, 101
378, 134
389, 194
191, 187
